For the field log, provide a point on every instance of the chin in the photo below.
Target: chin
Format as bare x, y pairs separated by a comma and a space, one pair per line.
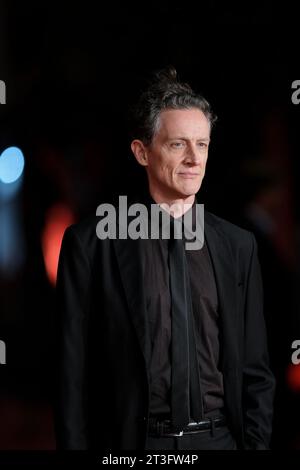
190, 191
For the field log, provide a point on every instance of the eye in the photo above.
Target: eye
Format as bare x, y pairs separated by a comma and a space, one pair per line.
177, 145
202, 144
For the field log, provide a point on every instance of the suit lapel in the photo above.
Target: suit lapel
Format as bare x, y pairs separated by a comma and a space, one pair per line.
227, 285
129, 260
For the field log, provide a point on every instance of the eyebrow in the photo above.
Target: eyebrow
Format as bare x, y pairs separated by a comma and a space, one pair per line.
203, 139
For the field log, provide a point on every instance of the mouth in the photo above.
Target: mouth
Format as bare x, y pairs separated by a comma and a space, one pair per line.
188, 175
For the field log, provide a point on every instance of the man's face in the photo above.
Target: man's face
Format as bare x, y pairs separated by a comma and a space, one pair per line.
177, 155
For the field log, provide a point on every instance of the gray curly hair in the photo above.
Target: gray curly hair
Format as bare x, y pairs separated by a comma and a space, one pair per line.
164, 92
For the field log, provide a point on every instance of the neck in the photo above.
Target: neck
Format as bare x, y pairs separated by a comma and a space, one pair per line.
176, 206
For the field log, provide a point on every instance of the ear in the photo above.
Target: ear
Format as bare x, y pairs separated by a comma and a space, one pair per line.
140, 152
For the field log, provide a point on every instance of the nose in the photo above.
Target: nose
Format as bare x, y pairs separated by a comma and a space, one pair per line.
193, 156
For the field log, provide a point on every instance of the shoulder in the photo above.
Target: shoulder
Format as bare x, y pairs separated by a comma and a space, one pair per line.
235, 235
84, 230
83, 235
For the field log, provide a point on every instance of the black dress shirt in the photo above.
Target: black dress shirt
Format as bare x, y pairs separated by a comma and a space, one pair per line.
206, 318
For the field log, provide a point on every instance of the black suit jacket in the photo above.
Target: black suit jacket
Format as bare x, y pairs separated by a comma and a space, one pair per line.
103, 343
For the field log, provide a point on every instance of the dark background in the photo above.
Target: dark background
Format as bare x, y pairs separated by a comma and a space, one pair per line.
71, 72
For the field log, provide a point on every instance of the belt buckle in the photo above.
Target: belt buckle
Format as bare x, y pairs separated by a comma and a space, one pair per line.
161, 432
175, 434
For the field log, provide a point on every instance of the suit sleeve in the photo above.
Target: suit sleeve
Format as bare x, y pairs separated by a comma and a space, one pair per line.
258, 380
72, 305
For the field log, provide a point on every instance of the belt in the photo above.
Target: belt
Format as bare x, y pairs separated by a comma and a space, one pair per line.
164, 428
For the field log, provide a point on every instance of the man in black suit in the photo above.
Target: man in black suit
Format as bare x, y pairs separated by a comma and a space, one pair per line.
161, 347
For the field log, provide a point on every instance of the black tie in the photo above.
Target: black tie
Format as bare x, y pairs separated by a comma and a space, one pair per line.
186, 402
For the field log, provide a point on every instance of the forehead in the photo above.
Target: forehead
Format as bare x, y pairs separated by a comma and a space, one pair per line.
183, 122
